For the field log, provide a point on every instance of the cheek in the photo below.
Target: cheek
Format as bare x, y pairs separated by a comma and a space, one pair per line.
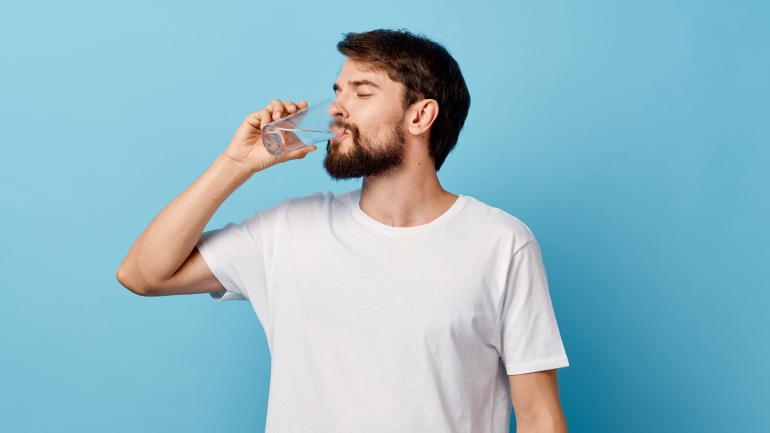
376, 121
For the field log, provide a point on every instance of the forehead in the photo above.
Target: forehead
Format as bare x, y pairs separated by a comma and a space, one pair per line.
353, 71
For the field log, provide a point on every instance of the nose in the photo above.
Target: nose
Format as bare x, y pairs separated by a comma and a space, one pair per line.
335, 109
339, 114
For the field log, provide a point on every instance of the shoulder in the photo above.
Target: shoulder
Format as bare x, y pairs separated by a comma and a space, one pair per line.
498, 223
308, 209
320, 202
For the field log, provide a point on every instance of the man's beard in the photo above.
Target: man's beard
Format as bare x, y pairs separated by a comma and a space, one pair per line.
367, 157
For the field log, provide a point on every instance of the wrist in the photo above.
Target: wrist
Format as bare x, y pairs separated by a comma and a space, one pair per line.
228, 174
238, 169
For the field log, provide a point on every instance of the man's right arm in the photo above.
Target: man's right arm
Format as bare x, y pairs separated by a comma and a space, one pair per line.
164, 260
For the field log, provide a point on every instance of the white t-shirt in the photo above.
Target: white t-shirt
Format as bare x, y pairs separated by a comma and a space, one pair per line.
374, 328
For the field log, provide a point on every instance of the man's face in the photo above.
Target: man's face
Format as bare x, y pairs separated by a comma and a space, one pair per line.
369, 104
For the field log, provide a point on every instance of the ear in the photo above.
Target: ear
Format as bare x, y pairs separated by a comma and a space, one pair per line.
421, 116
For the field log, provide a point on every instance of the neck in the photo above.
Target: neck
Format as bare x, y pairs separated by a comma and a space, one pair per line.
408, 196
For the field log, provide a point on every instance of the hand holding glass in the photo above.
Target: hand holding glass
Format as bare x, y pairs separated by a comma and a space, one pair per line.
309, 126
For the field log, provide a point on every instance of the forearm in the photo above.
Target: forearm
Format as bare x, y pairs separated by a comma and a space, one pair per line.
171, 236
535, 399
542, 424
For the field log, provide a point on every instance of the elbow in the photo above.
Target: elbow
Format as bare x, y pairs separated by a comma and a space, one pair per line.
551, 423
129, 280
555, 425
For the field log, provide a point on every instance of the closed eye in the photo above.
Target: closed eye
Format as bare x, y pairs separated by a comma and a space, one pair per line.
364, 95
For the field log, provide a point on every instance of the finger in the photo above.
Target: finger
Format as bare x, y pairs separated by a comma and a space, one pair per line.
302, 104
264, 117
277, 109
253, 119
291, 107
257, 118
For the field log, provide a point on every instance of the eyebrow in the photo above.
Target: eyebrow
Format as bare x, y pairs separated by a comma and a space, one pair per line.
357, 83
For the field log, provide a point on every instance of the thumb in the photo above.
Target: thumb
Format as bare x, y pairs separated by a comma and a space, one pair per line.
301, 152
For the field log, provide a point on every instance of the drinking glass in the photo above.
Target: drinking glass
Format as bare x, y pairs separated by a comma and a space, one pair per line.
308, 126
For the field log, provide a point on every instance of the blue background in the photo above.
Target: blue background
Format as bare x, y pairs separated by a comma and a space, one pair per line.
631, 137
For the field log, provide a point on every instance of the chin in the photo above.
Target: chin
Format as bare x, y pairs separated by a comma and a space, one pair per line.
342, 146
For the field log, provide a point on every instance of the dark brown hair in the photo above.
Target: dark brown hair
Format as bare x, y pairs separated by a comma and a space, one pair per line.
427, 71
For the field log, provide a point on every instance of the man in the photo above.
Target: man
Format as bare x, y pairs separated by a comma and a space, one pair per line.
396, 307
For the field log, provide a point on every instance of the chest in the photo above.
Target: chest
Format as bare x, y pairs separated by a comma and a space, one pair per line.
353, 287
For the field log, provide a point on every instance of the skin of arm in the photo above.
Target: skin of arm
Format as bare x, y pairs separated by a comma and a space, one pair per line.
535, 399
164, 260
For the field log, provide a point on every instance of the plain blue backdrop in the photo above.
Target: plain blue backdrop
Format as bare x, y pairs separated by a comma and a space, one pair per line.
631, 137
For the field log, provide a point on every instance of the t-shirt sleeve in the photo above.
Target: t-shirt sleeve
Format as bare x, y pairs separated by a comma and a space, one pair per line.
529, 336
239, 256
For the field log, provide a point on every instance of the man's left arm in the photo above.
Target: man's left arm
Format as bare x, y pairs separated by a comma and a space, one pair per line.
535, 399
